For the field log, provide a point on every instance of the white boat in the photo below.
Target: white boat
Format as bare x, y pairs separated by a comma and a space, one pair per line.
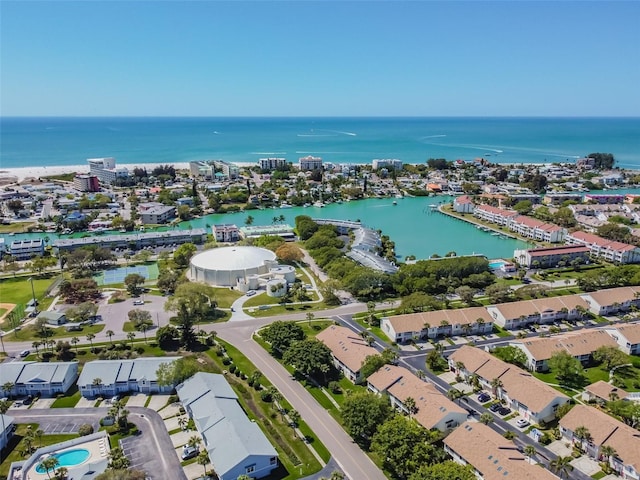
306, 205
123, 230
394, 202
318, 205
285, 205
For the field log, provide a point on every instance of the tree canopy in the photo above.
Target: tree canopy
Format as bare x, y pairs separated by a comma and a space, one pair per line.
362, 414
281, 335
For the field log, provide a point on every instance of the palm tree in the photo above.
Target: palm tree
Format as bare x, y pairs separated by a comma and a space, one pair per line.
607, 451
75, 341
294, 416
582, 433
35, 345
7, 387
90, 337
530, 451
48, 464
486, 418
194, 441
310, 317
61, 473
97, 382
143, 328
203, 459
562, 466
131, 336
496, 384
454, 394
182, 423
420, 374
110, 333
410, 405
39, 433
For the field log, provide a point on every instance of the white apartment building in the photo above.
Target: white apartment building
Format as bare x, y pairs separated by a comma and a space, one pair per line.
105, 169
271, 163
309, 163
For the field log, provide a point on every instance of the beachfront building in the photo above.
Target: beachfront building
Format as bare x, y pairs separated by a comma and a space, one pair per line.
272, 163
492, 456
463, 204
439, 323
431, 409
105, 169
26, 249
228, 170
613, 300
604, 431
309, 162
256, 231
626, 336
37, 378
388, 163
201, 169
536, 229
580, 345
495, 215
134, 241
542, 310
6, 430
348, 349
154, 213
113, 377
602, 392
235, 444
550, 257
520, 390
86, 183
227, 232
616, 252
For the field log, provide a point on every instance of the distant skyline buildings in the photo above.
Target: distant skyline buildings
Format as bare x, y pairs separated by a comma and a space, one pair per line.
364, 58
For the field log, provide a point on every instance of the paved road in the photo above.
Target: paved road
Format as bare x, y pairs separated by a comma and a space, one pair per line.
351, 459
153, 450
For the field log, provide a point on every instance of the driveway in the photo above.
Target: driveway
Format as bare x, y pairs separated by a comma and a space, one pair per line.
115, 314
144, 448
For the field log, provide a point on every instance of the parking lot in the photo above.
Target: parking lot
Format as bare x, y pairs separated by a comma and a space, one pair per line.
68, 426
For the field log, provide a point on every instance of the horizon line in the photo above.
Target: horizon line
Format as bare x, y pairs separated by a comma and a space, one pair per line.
332, 116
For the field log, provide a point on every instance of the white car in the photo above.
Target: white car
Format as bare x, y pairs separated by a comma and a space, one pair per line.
250, 293
24, 353
138, 302
521, 423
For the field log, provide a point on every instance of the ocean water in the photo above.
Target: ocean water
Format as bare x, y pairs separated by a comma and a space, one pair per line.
70, 141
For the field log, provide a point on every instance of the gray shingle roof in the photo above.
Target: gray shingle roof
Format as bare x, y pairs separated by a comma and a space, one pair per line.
35, 372
112, 371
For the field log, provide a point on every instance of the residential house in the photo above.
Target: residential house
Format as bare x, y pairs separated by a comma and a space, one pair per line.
38, 378
579, 345
235, 444
613, 300
349, 350
26, 249
226, 232
433, 410
112, 377
604, 430
414, 326
492, 456
463, 204
52, 317
494, 214
536, 229
542, 310
627, 336
609, 250
552, 256
157, 215
6, 430
602, 392
522, 392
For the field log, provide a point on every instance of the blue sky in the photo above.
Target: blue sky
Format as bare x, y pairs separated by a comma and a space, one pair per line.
306, 58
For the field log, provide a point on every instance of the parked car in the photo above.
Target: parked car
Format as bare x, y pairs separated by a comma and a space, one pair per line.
27, 400
189, 452
250, 293
25, 353
138, 302
483, 397
504, 411
495, 407
521, 423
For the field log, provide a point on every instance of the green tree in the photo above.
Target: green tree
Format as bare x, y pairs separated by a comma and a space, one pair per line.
281, 335
82, 312
48, 464
362, 414
609, 357
511, 354
177, 371
133, 282
562, 466
466, 294
371, 364
168, 280
90, 337
141, 319
307, 356
203, 459
448, 470
486, 418
183, 254
567, 369
108, 333
529, 451
193, 303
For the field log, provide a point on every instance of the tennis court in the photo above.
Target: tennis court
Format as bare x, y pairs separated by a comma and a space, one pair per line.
117, 275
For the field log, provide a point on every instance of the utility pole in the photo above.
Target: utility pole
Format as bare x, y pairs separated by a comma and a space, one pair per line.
33, 292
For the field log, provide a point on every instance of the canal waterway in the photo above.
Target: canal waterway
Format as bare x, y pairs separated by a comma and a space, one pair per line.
414, 224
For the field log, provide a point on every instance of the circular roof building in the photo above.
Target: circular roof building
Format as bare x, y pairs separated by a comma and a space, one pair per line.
225, 266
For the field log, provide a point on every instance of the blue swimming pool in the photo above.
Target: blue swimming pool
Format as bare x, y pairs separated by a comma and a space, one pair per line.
496, 264
69, 458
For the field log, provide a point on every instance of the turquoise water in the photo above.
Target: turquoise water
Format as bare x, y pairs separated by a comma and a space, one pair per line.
69, 458
496, 265
70, 141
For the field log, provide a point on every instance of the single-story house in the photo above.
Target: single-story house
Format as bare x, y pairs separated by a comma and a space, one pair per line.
604, 430
52, 317
602, 392
236, 445
44, 378
492, 456
432, 408
111, 377
627, 337
521, 391
348, 349
462, 321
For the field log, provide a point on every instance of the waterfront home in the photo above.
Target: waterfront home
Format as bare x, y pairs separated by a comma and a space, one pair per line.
536, 229
429, 407
226, 232
414, 326
309, 163
348, 349
602, 199
558, 198
37, 378
602, 392
112, 377
604, 430
133, 240
579, 345
157, 215
26, 249
495, 215
613, 300
542, 310
611, 251
550, 257
235, 444
6, 430
463, 204
492, 456
627, 337
255, 231
522, 392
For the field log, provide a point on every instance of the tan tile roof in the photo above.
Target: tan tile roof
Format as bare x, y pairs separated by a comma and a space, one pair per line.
472, 358
606, 430
495, 457
348, 347
603, 390
630, 331
537, 306
432, 405
614, 295
414, 322
576, 344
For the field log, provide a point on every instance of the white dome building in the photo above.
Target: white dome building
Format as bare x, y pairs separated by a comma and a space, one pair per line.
231, 266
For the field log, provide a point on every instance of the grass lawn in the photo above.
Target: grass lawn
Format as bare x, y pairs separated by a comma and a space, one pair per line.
31, 333
501, 332
16, 227
18, 290
225, 297
70, 400
264, 299
280, 310
377, 331
13, 452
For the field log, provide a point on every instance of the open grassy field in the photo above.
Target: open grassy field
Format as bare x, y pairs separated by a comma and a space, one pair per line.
16, 227
225, 297
18, 291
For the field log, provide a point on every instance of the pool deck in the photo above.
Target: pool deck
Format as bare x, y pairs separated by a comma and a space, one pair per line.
98, 450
